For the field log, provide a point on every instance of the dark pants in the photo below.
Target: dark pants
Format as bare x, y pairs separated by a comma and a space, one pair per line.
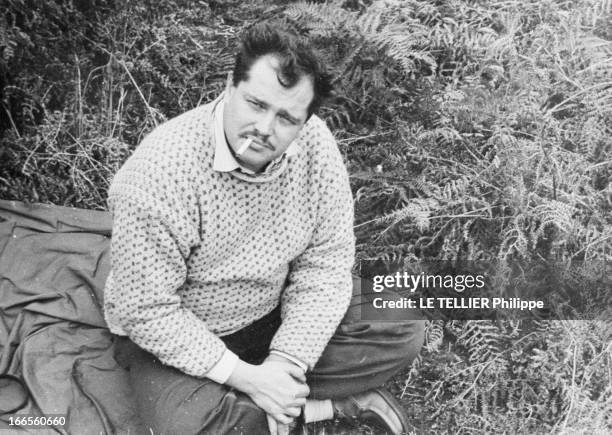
361, 355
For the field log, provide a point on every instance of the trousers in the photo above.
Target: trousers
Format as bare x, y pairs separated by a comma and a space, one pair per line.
362, 354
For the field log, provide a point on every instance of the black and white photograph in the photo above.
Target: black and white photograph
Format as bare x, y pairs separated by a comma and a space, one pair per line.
328, 217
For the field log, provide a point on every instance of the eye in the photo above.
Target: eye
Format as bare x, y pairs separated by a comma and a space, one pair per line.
287, 120
256, 104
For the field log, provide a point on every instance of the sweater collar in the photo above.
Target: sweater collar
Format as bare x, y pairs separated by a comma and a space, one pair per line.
224, 161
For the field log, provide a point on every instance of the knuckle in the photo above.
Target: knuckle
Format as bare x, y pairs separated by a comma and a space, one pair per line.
283, 419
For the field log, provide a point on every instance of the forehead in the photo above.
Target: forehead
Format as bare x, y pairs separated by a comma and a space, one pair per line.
262, 83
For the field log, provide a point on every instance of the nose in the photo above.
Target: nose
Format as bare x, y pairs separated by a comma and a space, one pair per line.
265, 124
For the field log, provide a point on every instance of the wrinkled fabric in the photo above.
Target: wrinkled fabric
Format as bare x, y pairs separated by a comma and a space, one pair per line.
53, 265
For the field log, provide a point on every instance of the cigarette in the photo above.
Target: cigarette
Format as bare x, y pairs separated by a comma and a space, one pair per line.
245, 146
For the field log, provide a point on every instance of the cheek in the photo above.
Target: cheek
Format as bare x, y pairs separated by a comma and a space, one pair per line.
241, 115
286, 135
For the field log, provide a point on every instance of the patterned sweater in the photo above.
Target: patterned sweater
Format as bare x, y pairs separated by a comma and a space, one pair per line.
197, 253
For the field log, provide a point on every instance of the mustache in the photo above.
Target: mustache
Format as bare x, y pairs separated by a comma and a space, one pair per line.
259, 138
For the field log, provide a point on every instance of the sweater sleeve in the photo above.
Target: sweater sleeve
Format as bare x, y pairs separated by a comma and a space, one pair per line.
319, 284
148, 268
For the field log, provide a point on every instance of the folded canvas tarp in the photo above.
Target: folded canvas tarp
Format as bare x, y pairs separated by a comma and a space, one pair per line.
53, 264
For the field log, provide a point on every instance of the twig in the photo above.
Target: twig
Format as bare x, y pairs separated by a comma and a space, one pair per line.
431, 217
79, 98
8, 112
557, 107
571, 405
603, 62
24, 169
607, 162
459, 216
595, 242
122, 63
356, 138
471, 387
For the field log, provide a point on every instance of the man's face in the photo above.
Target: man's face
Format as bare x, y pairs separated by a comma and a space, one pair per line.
261, 108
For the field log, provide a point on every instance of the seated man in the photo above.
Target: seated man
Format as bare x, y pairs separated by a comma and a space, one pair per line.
231, 262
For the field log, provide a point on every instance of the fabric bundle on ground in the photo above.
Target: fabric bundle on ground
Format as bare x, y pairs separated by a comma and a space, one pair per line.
53, 265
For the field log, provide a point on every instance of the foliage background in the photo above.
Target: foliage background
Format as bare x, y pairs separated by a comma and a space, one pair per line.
475, 129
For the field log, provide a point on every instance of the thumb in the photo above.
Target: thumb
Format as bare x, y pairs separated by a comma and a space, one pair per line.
272, 425
283, 429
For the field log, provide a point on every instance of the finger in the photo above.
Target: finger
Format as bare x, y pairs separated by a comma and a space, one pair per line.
292, 401
302, 391
272, 425
296, 372
283, 429
293, 411
282, 418
298, 402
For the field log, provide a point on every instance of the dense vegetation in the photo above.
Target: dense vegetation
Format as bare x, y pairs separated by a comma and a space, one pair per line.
475, 129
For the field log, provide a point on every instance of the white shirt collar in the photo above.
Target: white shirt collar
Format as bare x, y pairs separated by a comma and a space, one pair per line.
223, 160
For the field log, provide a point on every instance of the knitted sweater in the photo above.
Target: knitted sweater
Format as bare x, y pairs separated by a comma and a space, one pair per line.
197, 254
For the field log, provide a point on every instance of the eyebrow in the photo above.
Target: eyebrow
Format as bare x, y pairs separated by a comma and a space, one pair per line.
281, 112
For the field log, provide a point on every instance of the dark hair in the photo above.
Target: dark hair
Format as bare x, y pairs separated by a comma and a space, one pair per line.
296, 57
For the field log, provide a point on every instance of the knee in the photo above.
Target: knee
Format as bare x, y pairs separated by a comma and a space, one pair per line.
368, 353
251, 420
403, 340
392, 344
234, 415
412, 335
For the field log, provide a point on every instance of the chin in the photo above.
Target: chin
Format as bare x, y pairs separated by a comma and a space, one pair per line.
253, 163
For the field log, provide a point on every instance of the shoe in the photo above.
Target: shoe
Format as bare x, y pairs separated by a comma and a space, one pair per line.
376, 404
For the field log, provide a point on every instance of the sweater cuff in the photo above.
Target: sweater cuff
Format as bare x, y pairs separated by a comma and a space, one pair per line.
222, 370
298, 362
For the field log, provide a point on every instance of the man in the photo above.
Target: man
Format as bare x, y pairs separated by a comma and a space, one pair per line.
231, 262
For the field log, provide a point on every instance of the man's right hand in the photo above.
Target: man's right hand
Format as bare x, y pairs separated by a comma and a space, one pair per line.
277, 428
277, 387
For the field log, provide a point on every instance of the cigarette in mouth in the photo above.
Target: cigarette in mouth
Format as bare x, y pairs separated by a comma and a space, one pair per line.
245, 146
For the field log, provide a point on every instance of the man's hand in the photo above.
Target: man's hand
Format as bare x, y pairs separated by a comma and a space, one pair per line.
275, 427
277, 386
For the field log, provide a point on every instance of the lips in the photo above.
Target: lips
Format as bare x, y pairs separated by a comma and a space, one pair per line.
263, 144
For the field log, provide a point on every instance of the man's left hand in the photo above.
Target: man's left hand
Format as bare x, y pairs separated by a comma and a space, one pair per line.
277, 386
276, 357
276, 427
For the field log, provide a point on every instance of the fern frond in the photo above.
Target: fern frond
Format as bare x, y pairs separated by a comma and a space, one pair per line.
482, 340
418, 209
555, 213
434, 335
